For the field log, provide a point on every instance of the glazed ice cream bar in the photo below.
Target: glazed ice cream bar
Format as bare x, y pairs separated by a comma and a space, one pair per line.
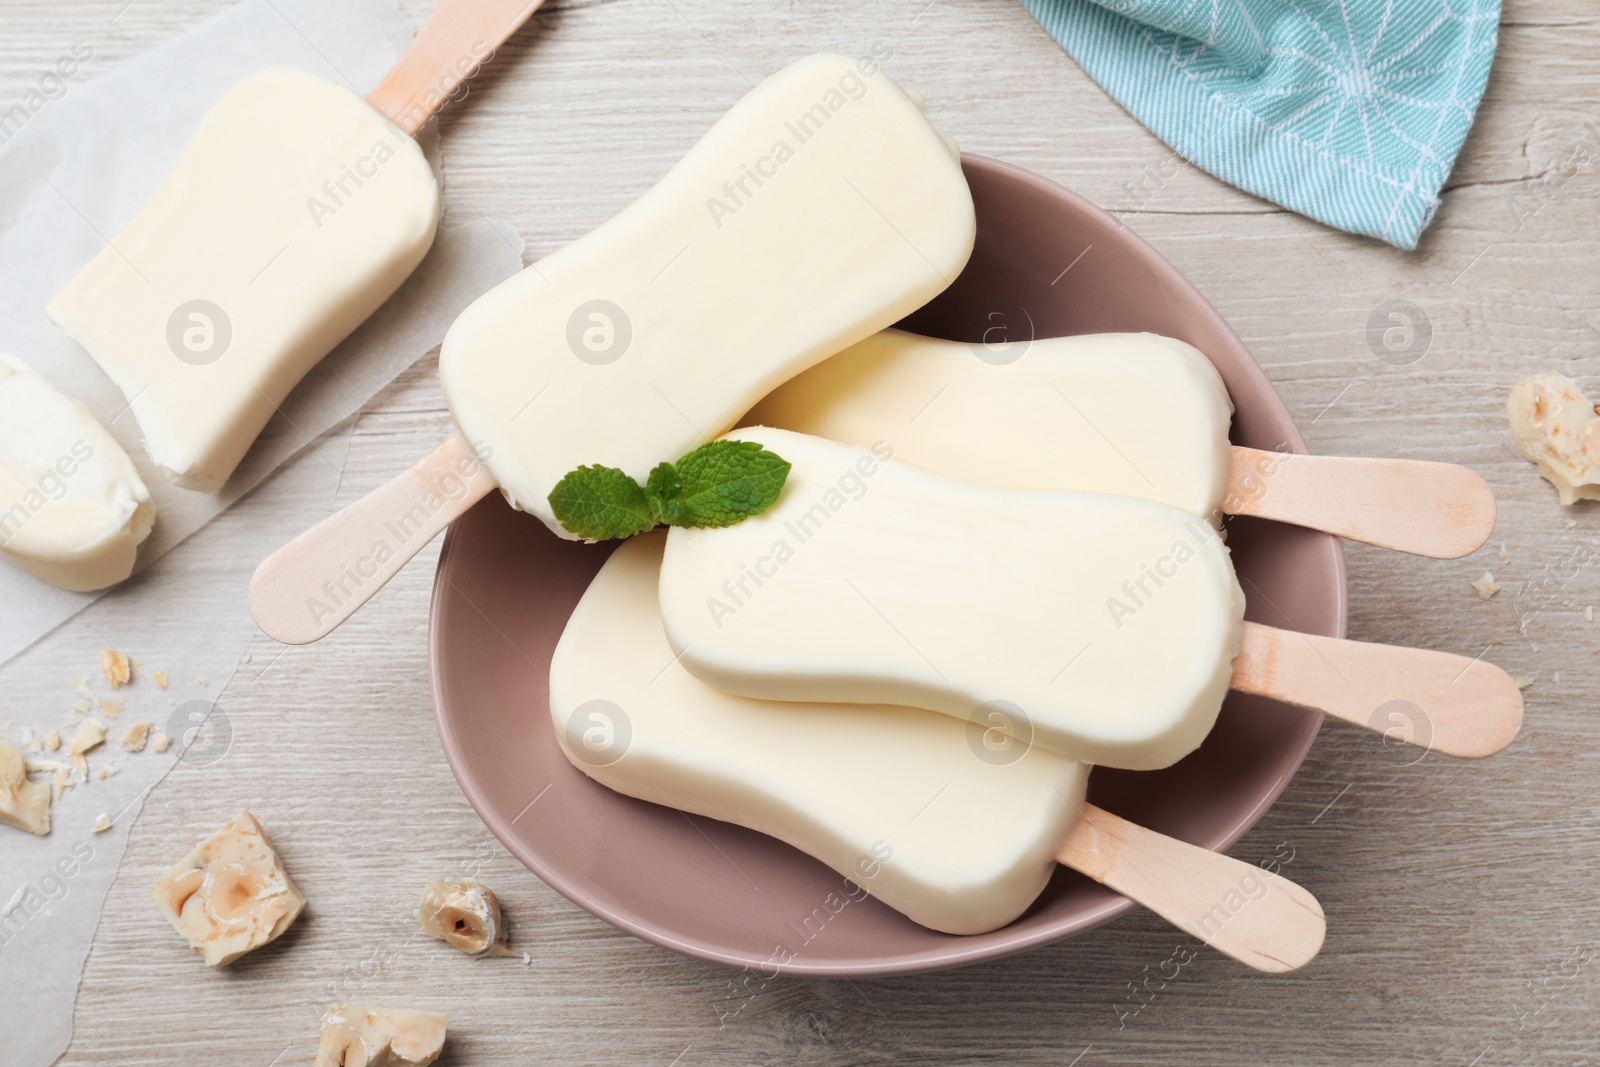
954, 828
822, 208
296, 210
1136, 414
1129, 413
1105, 627
956, 825
73, 510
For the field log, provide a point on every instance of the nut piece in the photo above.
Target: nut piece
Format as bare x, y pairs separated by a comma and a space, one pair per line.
379, 1037
1486, 586
91, 733
463, 914
231, 894
114, 665
23, 804
161, 743
136, 737
1557, 430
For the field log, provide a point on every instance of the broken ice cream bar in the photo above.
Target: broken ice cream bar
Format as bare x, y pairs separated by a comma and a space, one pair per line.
73, 510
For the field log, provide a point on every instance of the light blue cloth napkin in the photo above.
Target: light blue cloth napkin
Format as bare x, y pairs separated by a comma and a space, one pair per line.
1349, 111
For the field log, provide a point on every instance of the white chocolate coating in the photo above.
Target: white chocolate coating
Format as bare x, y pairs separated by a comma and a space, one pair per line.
295, 211
1107, 625
73, 510
944, 822
1130, 413
822, 208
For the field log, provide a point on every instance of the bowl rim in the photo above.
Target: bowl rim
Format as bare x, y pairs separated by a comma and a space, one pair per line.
949, 955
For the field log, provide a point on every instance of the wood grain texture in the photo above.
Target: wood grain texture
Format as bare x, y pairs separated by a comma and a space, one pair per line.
1463, 911
1264, 921
1441, 510
458, 38
1411, 696
305, 589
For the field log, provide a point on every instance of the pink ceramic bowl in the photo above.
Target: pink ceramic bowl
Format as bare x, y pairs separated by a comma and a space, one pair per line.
505, 587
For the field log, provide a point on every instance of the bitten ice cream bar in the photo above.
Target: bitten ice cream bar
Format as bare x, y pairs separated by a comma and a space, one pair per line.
73, 509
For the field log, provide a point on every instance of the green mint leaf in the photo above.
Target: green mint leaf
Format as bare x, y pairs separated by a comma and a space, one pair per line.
664, 487
601, 503
725, 482
718, 484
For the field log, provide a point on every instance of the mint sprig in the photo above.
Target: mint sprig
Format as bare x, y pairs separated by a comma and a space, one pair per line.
718, 484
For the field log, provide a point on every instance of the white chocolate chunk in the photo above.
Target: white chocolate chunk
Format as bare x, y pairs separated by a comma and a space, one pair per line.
60, 774
136, 737
1557, 429
114, 666
14, 901
296, 210
822, 208
91, 732
463, 914
379, 1037
73, 509
953, 824
231, 894
1135, 414
24, 805
1106, 625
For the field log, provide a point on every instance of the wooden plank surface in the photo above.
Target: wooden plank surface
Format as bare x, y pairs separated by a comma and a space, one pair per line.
1463, 911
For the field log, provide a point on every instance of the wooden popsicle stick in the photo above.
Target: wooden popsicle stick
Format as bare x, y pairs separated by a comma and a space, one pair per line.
1427, 509
1261, 919
312, 584
1443, 702
456, 41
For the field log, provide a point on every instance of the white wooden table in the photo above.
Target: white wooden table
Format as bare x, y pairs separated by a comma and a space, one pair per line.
1464, 915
